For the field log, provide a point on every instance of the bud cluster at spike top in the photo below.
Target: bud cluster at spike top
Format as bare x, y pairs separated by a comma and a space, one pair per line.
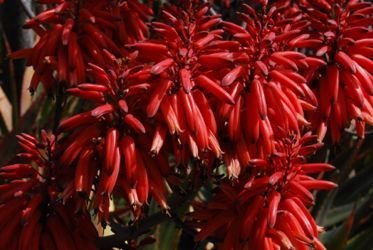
186, 88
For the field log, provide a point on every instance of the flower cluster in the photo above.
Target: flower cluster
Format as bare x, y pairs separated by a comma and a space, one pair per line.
36, 214
268, 210
189, 90
109, 141
75, 32
182, 83
341, 36
266, 79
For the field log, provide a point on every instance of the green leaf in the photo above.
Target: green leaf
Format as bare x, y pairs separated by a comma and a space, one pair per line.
338, 214
362, 241
337, 238
353, 188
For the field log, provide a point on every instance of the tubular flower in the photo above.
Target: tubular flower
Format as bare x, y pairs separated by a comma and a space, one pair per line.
269, 210
108, 143
132, 26
182, 89
75, 32
33, 215
343, 37
265, 78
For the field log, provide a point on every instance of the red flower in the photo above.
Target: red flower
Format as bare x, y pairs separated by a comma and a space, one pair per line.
341, 35
75, 32
109, 144
189, 89
268, 210
265, 78
33, 215
182, 88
